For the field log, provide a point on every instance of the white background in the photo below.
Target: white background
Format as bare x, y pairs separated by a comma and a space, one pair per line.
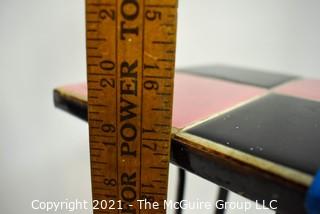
44, 152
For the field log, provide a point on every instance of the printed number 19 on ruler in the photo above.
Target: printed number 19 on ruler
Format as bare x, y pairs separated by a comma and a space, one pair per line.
130, 68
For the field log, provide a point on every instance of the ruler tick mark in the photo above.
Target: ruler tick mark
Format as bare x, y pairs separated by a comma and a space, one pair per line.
154, 193
160, 109
96, 39
94, 89
92, 48
95, 120
93, 22
167, 25
155, 139
97, 149
94, 56
98, 105
100, 74
162, 125
100, 135
99, 162
101, 4
157, 77
91, 30
92, 12
164, 93
93, 81
161, 5
109, 144
158, 167
163, 42
165, 60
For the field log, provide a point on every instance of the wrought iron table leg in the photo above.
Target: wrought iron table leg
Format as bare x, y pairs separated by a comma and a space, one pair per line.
223, 196
181, 187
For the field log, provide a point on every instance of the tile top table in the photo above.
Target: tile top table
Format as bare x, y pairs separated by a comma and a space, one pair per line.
255, 133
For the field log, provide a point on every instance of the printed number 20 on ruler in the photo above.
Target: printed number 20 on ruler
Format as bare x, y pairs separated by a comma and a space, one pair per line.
130, 59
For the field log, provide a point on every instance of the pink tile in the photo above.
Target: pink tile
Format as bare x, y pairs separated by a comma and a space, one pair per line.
195, 97
77, 90
307, 88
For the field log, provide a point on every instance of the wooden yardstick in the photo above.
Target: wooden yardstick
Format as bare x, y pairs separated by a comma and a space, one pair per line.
130, 68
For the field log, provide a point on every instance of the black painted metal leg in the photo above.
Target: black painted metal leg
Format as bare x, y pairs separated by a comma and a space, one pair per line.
223, 196
181, 186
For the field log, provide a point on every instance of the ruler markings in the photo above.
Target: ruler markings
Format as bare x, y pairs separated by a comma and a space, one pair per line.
93, 81
161, 109
93, 22
170, 51
157, 77
158, 181
94, 56
141, 112
109, 144
100, 135
94, 89
116, 104
96, 39
96, 127
164, 93
101, 4
96, 168
95, 120
100, 74
158, 167
165, 132
155, 139
94, 112
154, 193
165, 60
102, 188
93, 97
98, 149
92, 12
168, 25
99, 162
92, 48
91, 31
122, 97
162, 125
97, 105
163, 42
161, 5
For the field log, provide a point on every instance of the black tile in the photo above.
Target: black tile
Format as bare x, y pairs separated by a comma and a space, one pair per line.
282, 129
71, 104
254, 77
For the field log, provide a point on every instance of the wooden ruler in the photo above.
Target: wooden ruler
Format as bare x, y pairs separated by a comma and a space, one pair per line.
130, 68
